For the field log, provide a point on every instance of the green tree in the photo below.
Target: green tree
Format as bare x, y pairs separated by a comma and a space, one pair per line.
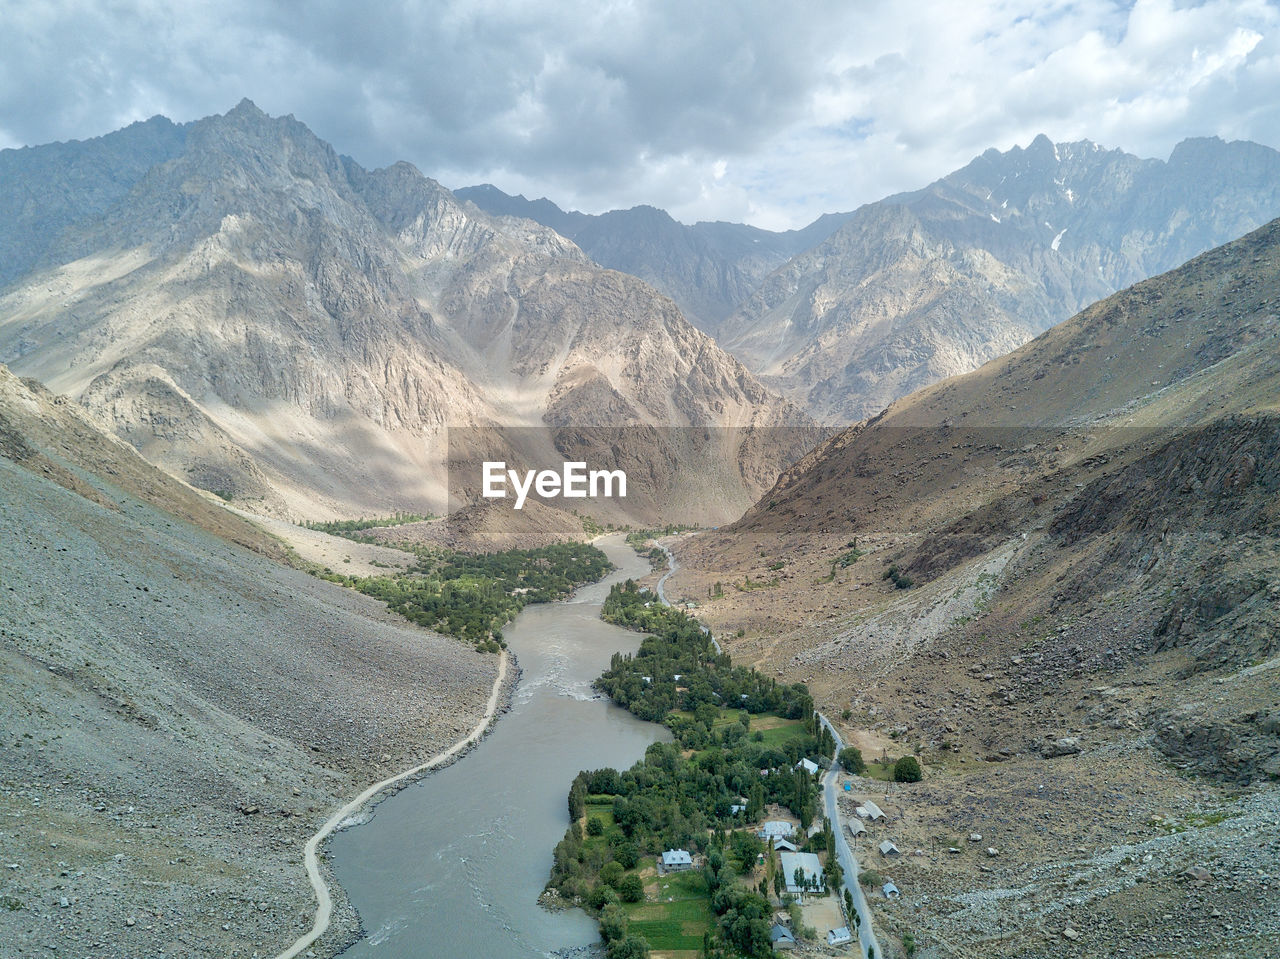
631, 888
595, 827
851, 759
611, 873
627, 855
601, 896
629, 947
907, 770
613, 923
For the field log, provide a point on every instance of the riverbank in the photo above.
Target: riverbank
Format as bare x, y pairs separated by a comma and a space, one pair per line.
322, 882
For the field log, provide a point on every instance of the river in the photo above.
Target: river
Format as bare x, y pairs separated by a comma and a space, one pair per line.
452, 866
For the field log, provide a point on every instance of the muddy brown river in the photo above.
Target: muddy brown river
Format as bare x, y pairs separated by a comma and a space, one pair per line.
452, 866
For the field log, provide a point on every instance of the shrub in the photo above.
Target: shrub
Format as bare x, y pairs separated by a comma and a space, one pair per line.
898, 577
595, 827
869, 878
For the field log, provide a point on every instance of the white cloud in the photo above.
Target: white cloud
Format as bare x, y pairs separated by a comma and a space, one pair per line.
719, 109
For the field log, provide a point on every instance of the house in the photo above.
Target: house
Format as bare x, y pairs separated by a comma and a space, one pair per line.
872, 811
810, 869
737, 808
856, 828
781, 844
839, 937
809, 766
677, 860
776, 829
889, 849
780, 937
890, 891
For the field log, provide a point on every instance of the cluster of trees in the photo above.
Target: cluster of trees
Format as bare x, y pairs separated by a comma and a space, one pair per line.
672, 801
678, 646
473, 596
682, 794
348, 527
639, 539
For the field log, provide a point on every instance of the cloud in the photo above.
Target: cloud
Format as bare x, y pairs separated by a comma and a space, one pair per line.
716, 109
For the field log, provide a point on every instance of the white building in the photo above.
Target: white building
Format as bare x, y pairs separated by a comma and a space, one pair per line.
809, 766
839, 937
869, 810
776, 829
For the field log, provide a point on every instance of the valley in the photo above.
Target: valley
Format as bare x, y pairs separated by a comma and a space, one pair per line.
984, 476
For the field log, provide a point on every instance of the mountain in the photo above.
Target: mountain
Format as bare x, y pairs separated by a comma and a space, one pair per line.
48, 188
270, 321
181, 710
1073, 551
928, 284
709, 269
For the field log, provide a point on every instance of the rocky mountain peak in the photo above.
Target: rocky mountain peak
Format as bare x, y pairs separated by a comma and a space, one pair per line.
270, 320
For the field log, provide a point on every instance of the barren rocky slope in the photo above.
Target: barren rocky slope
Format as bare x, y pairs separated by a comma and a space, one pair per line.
270, 321
179, 712
925, 285
1088, 531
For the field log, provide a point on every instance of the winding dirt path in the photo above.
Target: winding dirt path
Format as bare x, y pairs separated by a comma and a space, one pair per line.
324, 902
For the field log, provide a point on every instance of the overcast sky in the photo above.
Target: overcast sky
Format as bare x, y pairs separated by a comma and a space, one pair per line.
767, 113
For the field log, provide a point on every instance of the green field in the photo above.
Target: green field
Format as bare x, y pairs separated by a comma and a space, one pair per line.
678, 925
879, 770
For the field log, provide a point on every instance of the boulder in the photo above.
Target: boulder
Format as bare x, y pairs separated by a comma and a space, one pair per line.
1066, 746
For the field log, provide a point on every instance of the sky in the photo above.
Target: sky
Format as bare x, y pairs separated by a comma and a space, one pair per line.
761, 112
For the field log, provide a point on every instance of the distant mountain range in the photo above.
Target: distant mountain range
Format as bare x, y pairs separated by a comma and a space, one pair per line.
267, 319
924, 285
709, 269
270, 321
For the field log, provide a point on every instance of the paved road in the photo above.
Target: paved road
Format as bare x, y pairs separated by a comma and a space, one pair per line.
848, 862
